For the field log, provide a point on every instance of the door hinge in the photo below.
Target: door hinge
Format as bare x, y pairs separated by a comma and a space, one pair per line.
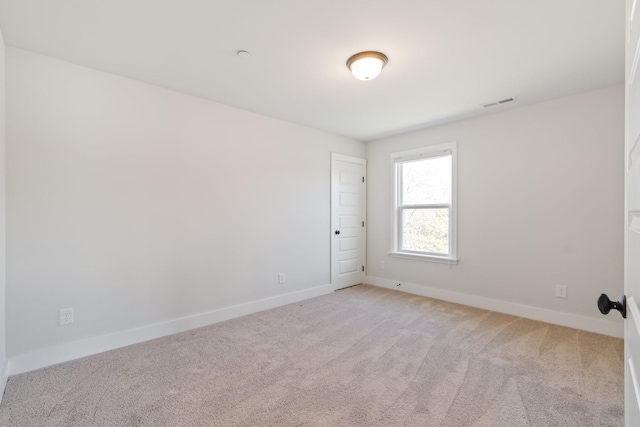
363, 268
363, 223
363, 179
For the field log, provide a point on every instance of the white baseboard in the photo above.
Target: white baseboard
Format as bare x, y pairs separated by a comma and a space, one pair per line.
536, 313
77, 349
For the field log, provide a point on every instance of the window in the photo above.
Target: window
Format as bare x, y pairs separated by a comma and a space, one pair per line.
424, 217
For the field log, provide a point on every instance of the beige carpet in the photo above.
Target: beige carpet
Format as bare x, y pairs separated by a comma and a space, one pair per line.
362, 356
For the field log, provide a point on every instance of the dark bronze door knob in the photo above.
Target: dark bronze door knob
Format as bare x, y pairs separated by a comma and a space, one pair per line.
605, 305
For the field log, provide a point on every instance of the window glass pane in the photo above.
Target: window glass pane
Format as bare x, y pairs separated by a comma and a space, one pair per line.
427, 181
426, 230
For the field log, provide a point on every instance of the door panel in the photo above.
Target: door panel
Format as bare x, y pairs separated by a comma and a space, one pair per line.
349, 266
347, 220
632, 216
632, 343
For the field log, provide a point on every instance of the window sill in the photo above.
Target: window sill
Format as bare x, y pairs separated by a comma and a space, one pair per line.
428, 258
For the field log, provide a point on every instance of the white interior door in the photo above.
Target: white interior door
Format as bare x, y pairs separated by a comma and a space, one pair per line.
632, 217
348, 208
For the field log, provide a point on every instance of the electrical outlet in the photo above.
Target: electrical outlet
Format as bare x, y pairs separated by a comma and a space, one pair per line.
381, 265
66, 316
561, 291
281, 278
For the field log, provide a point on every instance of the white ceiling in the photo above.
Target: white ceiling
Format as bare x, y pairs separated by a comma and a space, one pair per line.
446, 57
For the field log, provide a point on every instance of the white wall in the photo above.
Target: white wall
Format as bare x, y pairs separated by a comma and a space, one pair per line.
3, 351
540, 196
137, 205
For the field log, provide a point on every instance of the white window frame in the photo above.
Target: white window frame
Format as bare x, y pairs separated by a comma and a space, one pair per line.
396, 188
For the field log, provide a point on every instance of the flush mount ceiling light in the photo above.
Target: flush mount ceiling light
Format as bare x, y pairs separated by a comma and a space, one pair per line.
367, 65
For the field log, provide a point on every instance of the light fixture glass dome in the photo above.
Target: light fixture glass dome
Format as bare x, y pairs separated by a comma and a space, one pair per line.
367, 65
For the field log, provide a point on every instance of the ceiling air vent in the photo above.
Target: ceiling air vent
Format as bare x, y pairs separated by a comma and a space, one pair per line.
502, 101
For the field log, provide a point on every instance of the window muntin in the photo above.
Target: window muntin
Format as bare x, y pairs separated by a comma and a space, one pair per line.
424, 214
